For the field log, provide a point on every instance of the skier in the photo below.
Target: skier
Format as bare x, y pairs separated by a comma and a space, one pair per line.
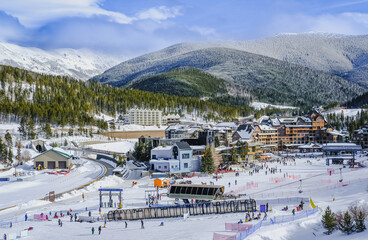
5, 237
236, 182
75, 217
71, 217
126, 224
99, 230
162, 223
11, 224
293, 211
61, 223
229, 184
93, 230
142, 224
25, 217
89, 213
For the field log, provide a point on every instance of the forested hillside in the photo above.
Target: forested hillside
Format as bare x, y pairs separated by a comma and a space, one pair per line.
184, 81
65, 101
358, 102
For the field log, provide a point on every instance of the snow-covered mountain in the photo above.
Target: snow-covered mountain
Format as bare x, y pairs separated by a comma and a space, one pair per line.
81, 64
342, 55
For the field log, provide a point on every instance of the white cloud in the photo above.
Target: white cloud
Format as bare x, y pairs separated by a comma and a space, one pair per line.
35, 13
159, 13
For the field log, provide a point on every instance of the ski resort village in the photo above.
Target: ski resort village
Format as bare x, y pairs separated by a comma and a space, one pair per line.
151, 175
184, 120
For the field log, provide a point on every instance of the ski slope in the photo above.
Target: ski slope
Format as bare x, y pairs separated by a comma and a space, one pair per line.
37, 186
317, 184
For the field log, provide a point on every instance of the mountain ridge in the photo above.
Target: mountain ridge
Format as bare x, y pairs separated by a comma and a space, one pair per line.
340, 55
264, 78
81, 64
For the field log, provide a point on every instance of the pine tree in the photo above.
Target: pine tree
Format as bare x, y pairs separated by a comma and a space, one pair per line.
2, 146
22, 128
359, 221
31, 129
19, 151
48, 131
234, 158
347, 225
147, 151
138, 150
208, 165
10, 155
329, 221
8, 139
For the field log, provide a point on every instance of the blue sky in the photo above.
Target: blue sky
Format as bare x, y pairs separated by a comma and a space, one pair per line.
133, 27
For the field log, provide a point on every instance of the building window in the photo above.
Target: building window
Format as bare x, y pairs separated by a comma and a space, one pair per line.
153, 156
159, 167
185, 165
185, 156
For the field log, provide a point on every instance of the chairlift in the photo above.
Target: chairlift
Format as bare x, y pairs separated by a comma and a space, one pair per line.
300, 186
340, 175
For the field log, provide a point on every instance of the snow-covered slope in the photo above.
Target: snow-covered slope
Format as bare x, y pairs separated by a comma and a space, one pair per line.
81, 64
336, 54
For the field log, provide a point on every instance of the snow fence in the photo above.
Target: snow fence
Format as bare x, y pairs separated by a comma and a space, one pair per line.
243, 234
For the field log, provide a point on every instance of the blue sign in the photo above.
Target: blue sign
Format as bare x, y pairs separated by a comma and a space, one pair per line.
110, 189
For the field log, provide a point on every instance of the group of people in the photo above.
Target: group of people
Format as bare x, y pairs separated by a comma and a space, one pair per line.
99, 230
300, 207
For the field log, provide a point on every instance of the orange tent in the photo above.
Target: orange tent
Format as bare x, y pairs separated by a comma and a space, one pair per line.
161, 182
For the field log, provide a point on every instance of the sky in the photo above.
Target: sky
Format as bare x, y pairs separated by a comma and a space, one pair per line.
133, 27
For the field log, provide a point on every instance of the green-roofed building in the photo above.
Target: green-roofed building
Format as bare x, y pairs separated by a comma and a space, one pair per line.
53, 159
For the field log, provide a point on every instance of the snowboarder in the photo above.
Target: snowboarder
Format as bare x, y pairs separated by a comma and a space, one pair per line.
93, 230
142, 224
162, 223
99, 230
126, 224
